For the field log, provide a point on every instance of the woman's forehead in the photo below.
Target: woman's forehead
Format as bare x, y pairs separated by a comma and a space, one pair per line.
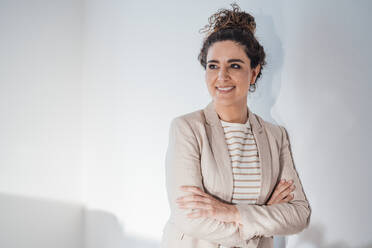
225, 50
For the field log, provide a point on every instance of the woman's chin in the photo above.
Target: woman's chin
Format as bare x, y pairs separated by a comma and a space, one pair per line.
224, 101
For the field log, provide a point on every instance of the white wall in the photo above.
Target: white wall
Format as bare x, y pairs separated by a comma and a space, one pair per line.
324, 100
40, 127
140, 70
80, 112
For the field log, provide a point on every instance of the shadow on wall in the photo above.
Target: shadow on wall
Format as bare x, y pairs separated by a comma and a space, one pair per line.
269, 85
263, 100
38, 223
103, 230
27, 222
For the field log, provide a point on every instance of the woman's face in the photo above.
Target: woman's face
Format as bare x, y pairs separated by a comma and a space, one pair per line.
228, 73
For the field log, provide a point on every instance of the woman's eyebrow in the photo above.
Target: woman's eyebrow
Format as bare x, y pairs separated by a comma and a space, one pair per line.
229, 61
235, 60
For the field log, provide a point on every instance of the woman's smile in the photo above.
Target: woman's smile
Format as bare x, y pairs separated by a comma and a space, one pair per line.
225, 90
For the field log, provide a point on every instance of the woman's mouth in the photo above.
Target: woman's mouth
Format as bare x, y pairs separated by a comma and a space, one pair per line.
226, 89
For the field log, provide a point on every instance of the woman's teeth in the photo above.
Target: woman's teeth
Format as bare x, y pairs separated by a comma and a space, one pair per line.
225, 89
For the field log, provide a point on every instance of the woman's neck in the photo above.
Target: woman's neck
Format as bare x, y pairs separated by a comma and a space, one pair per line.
236, 113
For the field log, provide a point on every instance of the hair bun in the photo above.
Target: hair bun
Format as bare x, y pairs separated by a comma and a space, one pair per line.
226, 19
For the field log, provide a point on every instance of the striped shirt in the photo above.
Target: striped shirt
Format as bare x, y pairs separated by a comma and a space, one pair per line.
245, 162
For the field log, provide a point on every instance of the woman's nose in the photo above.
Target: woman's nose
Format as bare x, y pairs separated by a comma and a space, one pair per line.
223, 74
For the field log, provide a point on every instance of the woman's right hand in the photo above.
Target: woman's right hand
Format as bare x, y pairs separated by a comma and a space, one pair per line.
282, 192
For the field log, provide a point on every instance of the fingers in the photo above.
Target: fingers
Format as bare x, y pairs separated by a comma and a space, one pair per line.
279, 188
281, 191
283, 185
193, 198
195, 205
286, 192
193, 189
197, 213
288, 198
197, 199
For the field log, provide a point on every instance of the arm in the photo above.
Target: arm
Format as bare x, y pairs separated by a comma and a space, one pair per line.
183, 168
278, 219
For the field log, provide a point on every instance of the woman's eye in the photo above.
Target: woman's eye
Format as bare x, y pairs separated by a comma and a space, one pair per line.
211, 66
235, 66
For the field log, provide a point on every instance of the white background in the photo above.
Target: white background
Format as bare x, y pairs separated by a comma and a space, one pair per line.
85, 84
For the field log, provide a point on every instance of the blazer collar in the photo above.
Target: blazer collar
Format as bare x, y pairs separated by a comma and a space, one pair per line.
213, 119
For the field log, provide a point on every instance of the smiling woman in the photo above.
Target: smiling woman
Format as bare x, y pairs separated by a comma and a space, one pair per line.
229, 173
227, 73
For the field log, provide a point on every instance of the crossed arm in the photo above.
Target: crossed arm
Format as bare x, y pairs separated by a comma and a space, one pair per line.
183, 168
278, 219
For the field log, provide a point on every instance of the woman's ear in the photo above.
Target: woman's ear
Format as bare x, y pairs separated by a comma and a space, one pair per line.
255, 72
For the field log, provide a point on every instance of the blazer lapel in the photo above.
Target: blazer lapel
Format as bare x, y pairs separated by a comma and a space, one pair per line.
216, 137
264, 154
221, 154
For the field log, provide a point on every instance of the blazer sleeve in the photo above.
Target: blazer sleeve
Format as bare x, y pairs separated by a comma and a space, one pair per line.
183, 168
278, 219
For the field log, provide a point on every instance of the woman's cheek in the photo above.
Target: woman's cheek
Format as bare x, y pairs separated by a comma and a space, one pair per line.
210, 86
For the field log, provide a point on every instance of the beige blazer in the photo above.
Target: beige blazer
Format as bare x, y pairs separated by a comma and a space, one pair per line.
197, 155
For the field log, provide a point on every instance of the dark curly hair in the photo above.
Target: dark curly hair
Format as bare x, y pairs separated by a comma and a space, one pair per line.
234, 25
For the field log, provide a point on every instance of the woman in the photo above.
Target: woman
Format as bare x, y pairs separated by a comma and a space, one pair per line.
229, 173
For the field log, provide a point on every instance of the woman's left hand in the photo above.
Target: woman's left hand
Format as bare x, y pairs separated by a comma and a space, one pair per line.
205, 205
